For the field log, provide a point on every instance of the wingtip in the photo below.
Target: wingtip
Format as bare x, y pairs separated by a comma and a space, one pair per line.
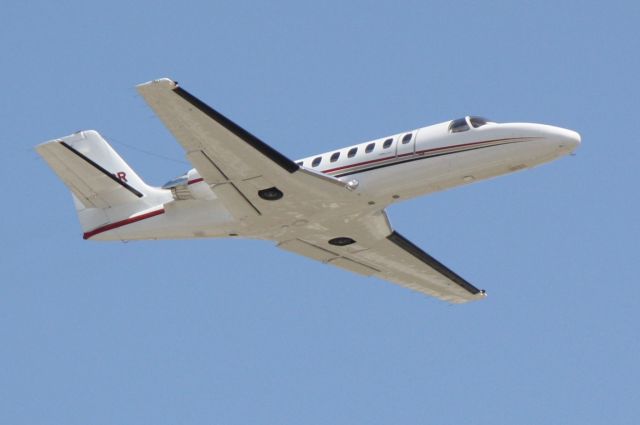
167, 82
82, 134
478, 296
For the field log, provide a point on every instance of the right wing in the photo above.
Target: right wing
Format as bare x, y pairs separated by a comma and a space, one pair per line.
377, 250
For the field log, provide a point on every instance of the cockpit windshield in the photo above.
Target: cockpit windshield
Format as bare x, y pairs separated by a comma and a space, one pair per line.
459, 125
477, 121
462, 124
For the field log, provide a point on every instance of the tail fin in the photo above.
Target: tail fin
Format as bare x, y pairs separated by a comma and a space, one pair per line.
105, 188
95, 173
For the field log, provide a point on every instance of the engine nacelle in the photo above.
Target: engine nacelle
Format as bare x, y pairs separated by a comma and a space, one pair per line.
190, 186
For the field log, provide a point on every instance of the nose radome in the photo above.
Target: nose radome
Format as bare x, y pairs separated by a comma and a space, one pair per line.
565, 138
573, 137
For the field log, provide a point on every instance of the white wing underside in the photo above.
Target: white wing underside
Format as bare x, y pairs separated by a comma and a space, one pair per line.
314, 208
380, 251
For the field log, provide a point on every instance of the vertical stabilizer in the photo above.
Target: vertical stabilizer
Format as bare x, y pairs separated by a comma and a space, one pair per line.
105, 189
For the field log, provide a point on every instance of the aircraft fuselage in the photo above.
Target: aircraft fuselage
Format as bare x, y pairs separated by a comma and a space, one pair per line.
387, 170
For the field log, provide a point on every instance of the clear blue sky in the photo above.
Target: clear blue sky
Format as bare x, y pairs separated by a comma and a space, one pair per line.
237, 332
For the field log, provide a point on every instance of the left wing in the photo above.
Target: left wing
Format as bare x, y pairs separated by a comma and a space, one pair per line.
367, 245
246, 173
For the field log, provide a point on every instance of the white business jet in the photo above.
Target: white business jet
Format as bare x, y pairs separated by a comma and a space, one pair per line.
328, 207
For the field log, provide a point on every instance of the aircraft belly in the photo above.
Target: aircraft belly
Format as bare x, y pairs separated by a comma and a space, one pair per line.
404, 180
175, 220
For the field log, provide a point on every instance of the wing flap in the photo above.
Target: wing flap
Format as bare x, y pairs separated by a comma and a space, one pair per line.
207, 168
306, 249
234, 200
353, 266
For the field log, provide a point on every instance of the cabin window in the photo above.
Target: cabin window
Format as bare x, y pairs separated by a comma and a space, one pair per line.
369, 148
459, 125
407, 138
316, 161
387, 143
477, 121
334, 157
352, 152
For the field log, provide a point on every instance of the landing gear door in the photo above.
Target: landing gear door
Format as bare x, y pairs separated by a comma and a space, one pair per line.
406, 144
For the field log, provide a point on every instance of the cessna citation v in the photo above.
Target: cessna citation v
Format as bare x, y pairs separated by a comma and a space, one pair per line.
328, 207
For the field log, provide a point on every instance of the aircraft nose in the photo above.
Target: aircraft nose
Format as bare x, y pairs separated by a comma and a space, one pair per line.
563, 138
571, 138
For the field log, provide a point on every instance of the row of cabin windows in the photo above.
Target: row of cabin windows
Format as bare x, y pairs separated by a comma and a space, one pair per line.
353, 151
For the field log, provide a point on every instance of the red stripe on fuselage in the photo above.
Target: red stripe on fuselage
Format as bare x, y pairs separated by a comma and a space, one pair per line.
422, 152
121, 223
331, 170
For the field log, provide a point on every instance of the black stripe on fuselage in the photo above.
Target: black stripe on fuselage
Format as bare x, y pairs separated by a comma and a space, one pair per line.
240, 132
417, 252
104, 171
417, 157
